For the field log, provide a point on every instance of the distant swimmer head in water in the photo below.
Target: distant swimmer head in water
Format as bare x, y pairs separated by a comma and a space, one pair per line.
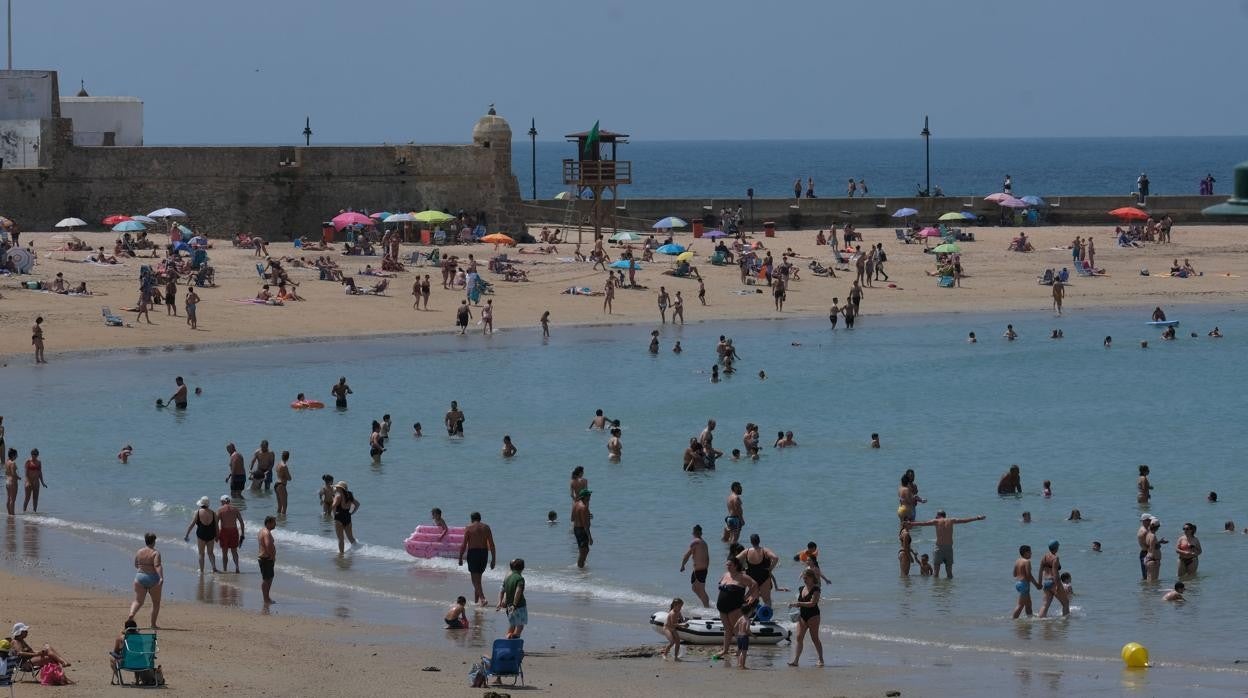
875, 441
1096, 546
159, 403
1143, 343
1026, 517
762, 375
970, 338
552, 517
1213, 497
1108, 341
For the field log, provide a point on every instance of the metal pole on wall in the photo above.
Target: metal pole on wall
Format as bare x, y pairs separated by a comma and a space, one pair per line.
10, 34
533, 153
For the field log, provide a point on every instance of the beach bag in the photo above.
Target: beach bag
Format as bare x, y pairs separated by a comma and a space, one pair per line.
477, 675
52, 675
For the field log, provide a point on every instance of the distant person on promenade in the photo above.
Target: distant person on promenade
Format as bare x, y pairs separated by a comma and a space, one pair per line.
34, 481
478, 548
944, 539
580, 527
1010, 483
150, 578
204, 523
237, 476
1141, 187
267, 557
511, 597
344, 507
1008, 185
736, 515
230, 532
340, 391
1024, 580
851, 188
178, 399
797, 189
810, 188
699, 554
1050, 582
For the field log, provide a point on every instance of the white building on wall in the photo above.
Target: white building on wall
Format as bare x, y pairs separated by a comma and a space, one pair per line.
104, 120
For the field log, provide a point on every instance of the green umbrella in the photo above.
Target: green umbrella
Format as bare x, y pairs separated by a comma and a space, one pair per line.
432, 216
947, 248
952, 216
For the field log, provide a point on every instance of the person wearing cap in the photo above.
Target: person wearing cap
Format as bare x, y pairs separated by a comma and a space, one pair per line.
1140, 537
204, 523
1050, 570
580, 526
344, 506
944, 539
29, 658
230, 531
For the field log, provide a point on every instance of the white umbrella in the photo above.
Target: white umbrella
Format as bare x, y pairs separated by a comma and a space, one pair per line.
143, 219
399, 218
71, 223
167, 213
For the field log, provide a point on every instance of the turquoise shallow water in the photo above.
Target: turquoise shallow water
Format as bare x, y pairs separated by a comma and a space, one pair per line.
1068, 411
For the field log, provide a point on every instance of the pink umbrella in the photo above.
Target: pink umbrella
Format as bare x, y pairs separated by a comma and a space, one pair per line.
997, 197
1012, 202
343, 220
929, 232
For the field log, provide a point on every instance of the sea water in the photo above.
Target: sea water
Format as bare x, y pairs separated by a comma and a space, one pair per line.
895, 167
959, 414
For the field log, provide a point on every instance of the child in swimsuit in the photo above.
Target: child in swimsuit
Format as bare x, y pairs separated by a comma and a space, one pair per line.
456, 618
742, 631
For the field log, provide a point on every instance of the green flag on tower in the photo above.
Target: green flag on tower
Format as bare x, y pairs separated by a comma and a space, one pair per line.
591, 141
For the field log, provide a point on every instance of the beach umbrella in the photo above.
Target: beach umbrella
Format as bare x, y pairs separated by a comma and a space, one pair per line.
684, 256
399, 218
167, 213
70, 223
564, 195
905, 213
714, 234
379, 216
131, 226
671, 248
22, 259
947, 248
1034, 200
929, 232
997, 197
670, 222
623, 264
625, 236
952, 216
342, 220
187, 233
1129, 213
115, 219
1011, 202
969, 216
143, 219
431, 216
64, 239
498, 239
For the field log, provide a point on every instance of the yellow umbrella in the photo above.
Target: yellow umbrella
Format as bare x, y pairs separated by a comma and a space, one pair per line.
684, 256
498, 239
432, 216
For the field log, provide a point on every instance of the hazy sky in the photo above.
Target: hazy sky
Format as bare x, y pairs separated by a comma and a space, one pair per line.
397, 70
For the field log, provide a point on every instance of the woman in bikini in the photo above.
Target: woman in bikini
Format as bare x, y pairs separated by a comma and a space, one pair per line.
1189, 551
344, 506
807, 606
283, 477
204, 523
10, 480
736, 591
150, 578
34, 480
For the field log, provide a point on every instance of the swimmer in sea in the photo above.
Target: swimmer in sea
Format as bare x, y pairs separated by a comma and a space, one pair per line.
416, 430
1065, 579
762, 375
654, 342
615, 447
1010, 334
1096, 546
340, 391
1143, 488
438, 521
736, 515
1169, 334
1047, 490
1189, 551
283, 479
1011, 482
785, 440
676, 349
326, 494
1026, 517
1215, 333
160, 404
944, 538
599, 421
238, 474
1228, 527
905, 554
454, 420
1108, 341
715, 373
552, 518
1050, 569
509, 449
1152, 547
970, 339
1175, 594
375, 448
1024, 580
925, 567
178, 400
699, 554
875, 441
1075, 515
736, 454
124, 454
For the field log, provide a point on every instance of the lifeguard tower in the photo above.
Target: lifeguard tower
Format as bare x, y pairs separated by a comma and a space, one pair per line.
592, 173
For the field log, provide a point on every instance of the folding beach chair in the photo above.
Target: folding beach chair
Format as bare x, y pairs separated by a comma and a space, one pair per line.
139, 658
507, 659
110, 319
946, 282
10, 673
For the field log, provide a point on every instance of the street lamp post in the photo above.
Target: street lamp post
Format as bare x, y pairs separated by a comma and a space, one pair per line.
533, 153
307, 130
927, 155
750, 193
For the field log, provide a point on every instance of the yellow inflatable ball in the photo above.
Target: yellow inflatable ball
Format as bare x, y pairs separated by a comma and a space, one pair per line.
1135, 655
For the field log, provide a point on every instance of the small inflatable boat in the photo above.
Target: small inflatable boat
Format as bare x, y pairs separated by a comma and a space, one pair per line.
703, 628
429, 541
1164, 323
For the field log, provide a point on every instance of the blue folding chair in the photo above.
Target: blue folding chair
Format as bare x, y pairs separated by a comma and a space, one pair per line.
10, 673
138, 657
507, 660
946, 282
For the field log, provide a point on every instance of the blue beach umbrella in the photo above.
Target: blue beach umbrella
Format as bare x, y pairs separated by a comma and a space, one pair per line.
969, 216
670, 222
671, 248
129, 227
714, 234
905, 213
623, 264
1034, 200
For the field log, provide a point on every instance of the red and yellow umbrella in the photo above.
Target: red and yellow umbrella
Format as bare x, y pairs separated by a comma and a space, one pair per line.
498, 239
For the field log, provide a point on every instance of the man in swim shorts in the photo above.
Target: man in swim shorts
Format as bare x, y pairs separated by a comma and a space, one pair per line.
179, 396
1140, 536
736, 515
340, 391
268, 556
478, 547
230, 531
944, 539
700, 554
262, 466
1011, 482
1024, 580
454, 420
511, 597
580, 527
238, 473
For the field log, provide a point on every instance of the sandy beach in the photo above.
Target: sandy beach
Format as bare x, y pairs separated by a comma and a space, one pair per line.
997, 280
